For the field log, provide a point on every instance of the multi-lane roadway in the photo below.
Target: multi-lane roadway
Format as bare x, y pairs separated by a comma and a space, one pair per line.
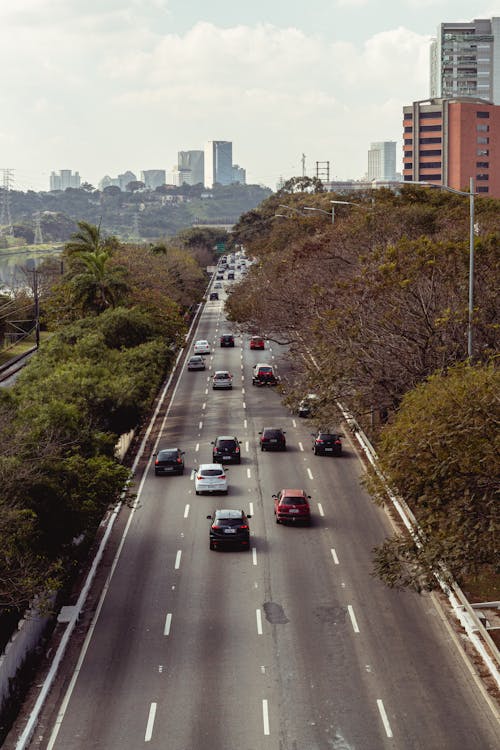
292, 645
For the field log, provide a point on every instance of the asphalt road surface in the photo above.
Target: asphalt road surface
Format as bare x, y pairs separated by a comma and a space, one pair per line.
292, 645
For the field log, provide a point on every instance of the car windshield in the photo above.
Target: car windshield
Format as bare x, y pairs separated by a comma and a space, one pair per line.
211, 472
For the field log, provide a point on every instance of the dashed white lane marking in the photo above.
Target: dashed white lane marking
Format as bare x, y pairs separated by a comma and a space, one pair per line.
243, 390
249, 474
259, 621
204, 405
245, 425
168, 622
353, 618
265, 716
334, 555
309, 473
242, 365
197, 447
321, 511
206, 391
254, 555
200, 425
294, 423
244, 405
385, 720
250, 508
246, 446
186, 510
178, 560
150, 724
301, 447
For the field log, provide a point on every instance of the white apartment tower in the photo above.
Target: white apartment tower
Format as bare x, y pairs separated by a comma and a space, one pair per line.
65, 179
382, 161
465, 60
218, 163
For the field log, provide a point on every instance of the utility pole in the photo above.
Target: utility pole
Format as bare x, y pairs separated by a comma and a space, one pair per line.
37, 308
6, 227
303, 165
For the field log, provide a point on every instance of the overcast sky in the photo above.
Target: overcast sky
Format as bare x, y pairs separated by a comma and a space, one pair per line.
105, 86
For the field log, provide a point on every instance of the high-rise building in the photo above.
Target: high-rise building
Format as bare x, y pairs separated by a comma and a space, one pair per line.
239, 174
191, 167
218, 163
65, 179
126, 178
153, 178
465, 60
448, 141
382, 161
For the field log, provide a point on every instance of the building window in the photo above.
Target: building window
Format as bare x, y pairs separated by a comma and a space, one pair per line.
429, 115
408, 165
409, 128
437, 128
483, 189
408, 154
482, 165
425, 176
483, 128
482, 152
430, 140
431, 164
482, 177
483, 115
482, 140
408, 141
431, 152
408, 115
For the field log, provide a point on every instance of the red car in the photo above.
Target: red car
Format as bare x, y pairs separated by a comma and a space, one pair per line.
292, 506
257, 342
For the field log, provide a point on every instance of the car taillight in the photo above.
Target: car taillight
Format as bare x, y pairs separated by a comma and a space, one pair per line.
156, 462
215, 526
199, 477
319, 442
222, 476
337, 442
237, 449
244, 526
179, 461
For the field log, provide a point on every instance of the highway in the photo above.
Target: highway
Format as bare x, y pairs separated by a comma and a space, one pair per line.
292, 645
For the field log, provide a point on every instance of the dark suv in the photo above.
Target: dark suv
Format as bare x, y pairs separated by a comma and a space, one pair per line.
327, 443
226, 448
229, 527
272, 439
169, 461
227, 339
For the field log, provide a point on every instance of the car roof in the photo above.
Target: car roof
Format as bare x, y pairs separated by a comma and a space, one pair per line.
164, 450
201, 341
289, 493
226, 437
197, 356
211, 466
222, 372
276, 429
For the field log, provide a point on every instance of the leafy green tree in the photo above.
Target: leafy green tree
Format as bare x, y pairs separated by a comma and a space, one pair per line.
441, 452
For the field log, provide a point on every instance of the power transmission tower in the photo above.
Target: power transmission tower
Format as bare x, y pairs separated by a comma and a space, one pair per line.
323, 171
38, 239
303, 165
5, 214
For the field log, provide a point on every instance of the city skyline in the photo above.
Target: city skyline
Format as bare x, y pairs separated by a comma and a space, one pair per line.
102, 88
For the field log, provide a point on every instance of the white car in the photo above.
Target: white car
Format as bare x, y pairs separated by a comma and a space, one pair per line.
201, 347
222, 379
210, 478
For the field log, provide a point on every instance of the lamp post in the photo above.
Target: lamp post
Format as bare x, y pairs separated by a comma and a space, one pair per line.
321, 211
470, 194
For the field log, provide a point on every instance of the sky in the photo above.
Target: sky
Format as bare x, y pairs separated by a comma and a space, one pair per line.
105, 86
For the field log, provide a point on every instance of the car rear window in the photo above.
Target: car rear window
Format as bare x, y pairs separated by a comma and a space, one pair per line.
165, 455
229, 521
221, 375
226, 443
272, 433
211, 472
293, 500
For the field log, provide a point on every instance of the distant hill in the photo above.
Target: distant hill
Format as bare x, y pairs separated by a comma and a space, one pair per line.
137, 215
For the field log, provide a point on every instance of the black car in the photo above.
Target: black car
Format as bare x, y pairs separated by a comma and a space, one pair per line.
227, 339
229, 528
169, 461
226, 448
214, 295
327, 443
272, 439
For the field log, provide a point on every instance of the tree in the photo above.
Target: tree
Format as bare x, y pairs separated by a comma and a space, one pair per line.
441, 453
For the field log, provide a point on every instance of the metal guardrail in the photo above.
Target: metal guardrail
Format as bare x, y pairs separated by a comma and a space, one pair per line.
15, 364
464, 611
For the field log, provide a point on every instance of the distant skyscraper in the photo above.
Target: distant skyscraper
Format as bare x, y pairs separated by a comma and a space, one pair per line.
239, 174
191, 167
153, 178
218, 163
125, 178
382, 161
65, 179
465, 60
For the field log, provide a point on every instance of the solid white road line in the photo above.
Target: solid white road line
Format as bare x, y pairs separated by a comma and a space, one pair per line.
309, 473
254, 555
321, 511
178, 560
259, 621
265, 716
168, 622
334, 555
301, 447
150, 724
186, 510
353, 618
385, 720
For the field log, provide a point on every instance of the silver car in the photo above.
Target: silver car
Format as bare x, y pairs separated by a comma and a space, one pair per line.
222, 379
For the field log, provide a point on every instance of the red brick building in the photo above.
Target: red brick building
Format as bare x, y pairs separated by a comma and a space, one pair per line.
448, 141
